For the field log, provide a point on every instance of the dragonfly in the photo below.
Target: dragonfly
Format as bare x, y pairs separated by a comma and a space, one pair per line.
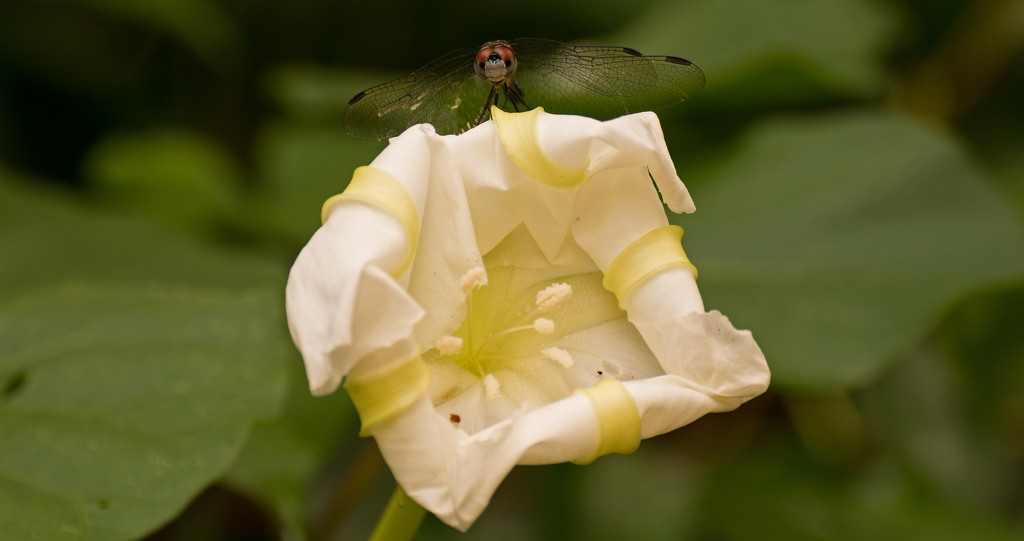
456, 91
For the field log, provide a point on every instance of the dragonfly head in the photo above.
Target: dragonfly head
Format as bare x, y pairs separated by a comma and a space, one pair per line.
496, 62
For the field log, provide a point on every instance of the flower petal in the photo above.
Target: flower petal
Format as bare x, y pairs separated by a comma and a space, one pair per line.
476, 194
339, 274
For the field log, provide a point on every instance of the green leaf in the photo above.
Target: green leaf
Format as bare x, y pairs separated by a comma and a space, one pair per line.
300, 166
779, 494
652, 496
180, 177
285, 458
319, 94
121, 403
840, 240
49, 238
133, 364
922, 412
756, 52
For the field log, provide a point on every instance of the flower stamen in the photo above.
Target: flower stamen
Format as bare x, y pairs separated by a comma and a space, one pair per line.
553, 296
492, 387
558, 355
544, 325
449, 345
477, 354
474, 278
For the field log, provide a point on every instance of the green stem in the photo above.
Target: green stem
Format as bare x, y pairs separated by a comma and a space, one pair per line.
401, 518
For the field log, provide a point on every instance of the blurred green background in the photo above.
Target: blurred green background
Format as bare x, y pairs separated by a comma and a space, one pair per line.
858, 169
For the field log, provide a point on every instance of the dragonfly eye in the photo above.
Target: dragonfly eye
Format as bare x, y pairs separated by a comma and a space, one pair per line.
510, 66
493, 67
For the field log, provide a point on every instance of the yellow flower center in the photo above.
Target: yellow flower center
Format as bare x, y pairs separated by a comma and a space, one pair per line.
505, 354
482, 344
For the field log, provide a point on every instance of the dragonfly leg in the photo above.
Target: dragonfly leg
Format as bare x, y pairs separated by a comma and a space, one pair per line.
491, 97
514, 93
504, 104
515, 104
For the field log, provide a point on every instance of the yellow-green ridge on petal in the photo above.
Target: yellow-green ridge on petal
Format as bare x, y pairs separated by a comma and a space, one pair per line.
618, 419
381, 396
655, 251
518, 135
378, 188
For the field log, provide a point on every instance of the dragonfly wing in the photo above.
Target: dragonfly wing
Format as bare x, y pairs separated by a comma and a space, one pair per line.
601, 81
446, 93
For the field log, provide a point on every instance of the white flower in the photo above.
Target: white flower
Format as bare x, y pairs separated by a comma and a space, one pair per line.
513, 295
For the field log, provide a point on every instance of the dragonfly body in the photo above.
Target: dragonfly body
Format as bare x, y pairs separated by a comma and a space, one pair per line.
496, 62
597, 81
